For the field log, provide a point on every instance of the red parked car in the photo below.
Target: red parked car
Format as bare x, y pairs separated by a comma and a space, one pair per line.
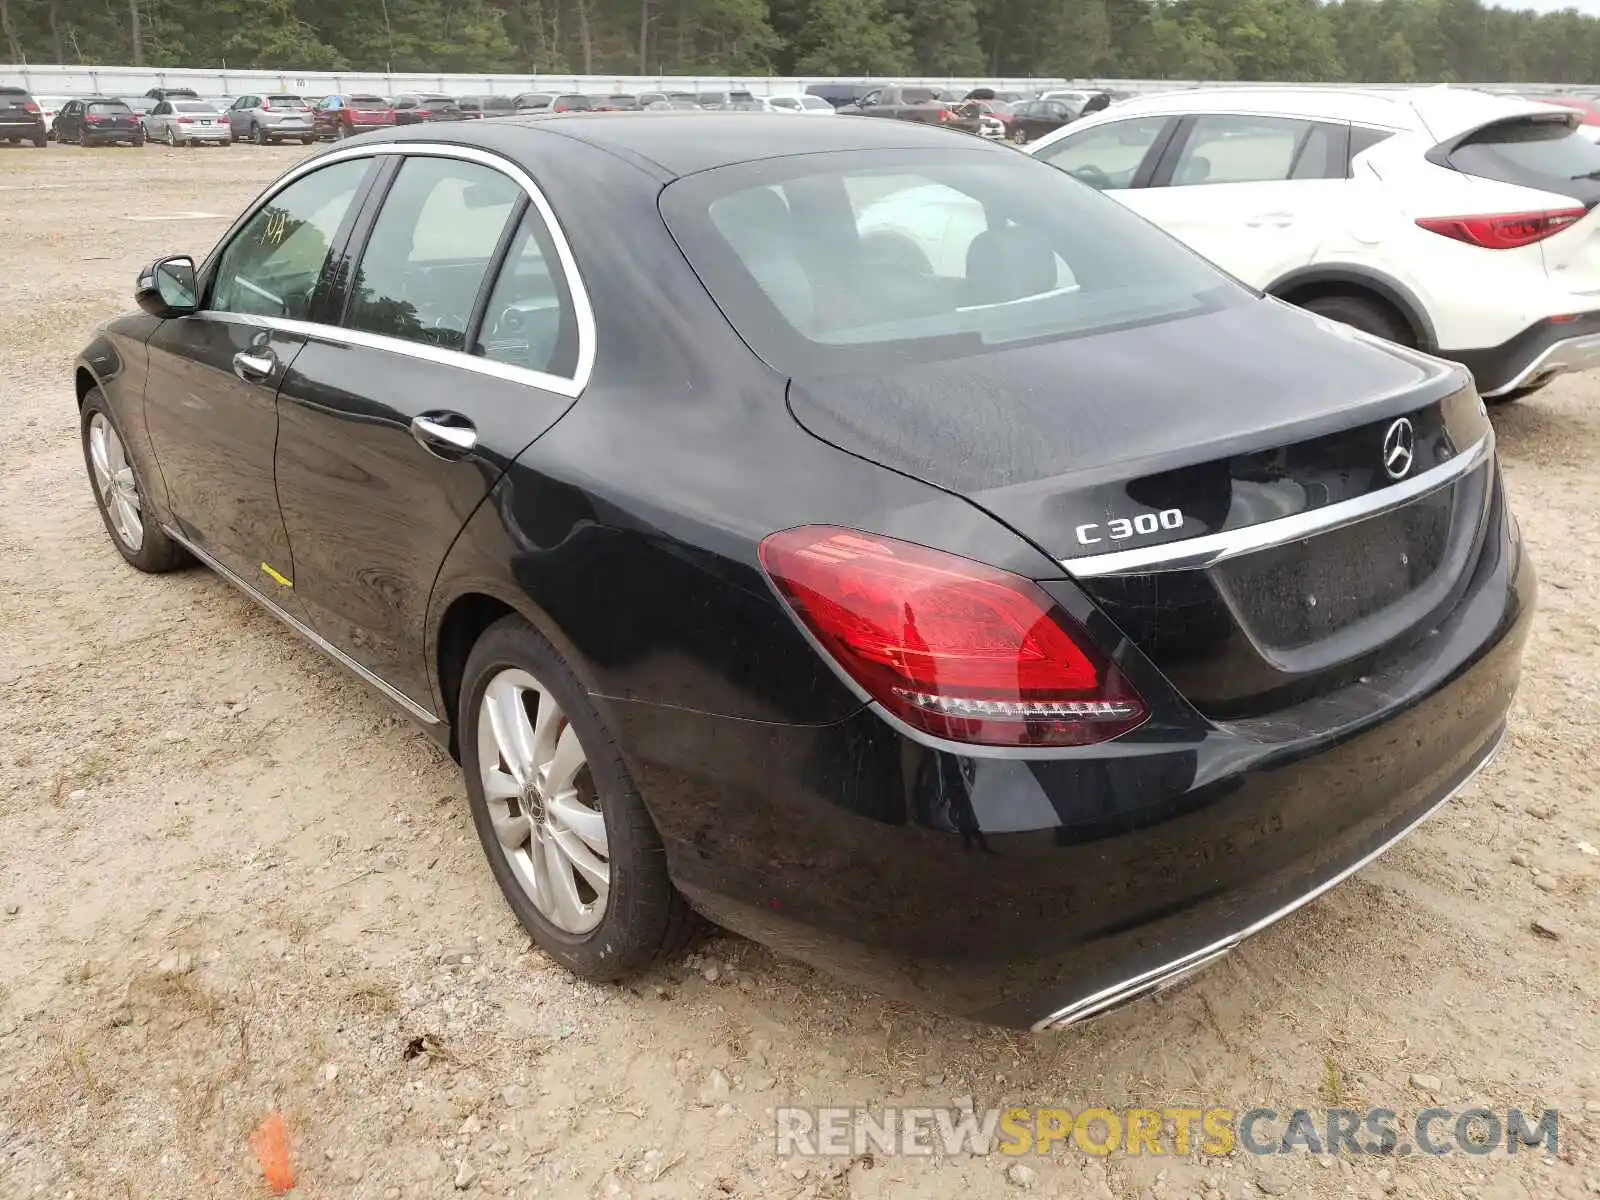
341, 116
1590, 120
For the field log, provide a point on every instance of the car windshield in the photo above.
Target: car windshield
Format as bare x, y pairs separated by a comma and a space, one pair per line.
574, 102
829, 263
495, 102
286, 101
366, 103
438, 102
191, 106
109, 106
918, 95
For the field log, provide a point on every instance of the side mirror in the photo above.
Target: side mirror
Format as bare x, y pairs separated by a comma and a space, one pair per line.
167, 287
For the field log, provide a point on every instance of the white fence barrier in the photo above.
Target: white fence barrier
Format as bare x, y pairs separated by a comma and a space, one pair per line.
124, 81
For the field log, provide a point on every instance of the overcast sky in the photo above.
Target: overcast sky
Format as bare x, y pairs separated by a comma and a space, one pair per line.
1590, 7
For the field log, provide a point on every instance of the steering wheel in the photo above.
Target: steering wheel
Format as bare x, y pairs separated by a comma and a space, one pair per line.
1091, 175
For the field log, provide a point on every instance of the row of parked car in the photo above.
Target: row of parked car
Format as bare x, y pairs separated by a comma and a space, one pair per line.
180, 116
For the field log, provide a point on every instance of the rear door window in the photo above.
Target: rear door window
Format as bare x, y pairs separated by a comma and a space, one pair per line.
1539, 151
286, 101
1239, 148
430, 250
529, 320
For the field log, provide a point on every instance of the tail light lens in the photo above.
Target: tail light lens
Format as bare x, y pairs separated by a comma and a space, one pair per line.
30, 106
91, 119
950, 646
185, 120
1504, 231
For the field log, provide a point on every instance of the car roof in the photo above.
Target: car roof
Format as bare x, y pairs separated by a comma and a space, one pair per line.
1442, 111
680, 143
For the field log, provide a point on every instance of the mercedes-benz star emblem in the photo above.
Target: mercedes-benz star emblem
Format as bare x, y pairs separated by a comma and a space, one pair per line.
1399, 448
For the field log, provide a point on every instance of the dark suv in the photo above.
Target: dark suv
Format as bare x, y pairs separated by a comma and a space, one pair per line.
21, 119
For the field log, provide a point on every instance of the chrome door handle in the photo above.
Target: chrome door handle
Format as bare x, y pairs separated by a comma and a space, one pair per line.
434, 435
253, 368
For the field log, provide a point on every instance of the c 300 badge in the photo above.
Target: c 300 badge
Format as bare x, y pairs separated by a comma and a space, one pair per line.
1120, 529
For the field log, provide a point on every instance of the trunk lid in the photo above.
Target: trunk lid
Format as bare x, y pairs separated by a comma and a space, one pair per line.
1234, 516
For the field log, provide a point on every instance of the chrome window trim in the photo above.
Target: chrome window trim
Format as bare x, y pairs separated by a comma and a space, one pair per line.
1089, 1006
305, 631
571, 387
1210, 549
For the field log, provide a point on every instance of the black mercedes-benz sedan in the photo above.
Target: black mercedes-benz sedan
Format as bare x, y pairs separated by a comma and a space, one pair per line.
862, 536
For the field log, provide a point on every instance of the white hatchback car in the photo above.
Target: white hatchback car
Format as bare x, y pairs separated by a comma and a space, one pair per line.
1449, 219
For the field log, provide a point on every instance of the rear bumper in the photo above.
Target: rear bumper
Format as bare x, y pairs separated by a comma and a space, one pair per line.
10, 128
1038, 892
117, 135
1540, 352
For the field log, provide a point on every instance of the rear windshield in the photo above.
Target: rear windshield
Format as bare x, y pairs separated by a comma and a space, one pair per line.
621, 98
109, 106
367, 102
828, 263
286, 101
574, 102
192, 106
1538, 152
917, 95
495, 102
12, 91
438, 102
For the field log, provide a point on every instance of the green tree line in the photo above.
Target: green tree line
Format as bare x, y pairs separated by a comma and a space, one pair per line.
1353, 40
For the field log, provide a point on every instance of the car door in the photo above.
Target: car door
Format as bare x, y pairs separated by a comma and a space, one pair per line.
67, 121
155, 121
460, 341
1257, 195
210, 398
239, 115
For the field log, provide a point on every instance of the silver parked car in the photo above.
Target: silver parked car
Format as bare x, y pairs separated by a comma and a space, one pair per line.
277, 117
186, 123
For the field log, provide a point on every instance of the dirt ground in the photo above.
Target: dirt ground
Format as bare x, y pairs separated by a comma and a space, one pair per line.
232, 882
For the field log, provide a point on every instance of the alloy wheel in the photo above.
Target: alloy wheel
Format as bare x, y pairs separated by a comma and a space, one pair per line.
172, 137
114, 480
542, 801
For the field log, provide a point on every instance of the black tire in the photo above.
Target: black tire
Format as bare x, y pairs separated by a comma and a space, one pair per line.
138, 140
1021, 137
41, 140
646, 920
1369, 316
258, 135
308, 141
157, 553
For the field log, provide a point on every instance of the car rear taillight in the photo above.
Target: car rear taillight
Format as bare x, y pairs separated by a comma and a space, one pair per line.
91, 119
1504, 231
185, 120
950, 646
30, 106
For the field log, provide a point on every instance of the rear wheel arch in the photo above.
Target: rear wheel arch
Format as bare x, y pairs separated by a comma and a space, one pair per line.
463, 620
1301, 287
